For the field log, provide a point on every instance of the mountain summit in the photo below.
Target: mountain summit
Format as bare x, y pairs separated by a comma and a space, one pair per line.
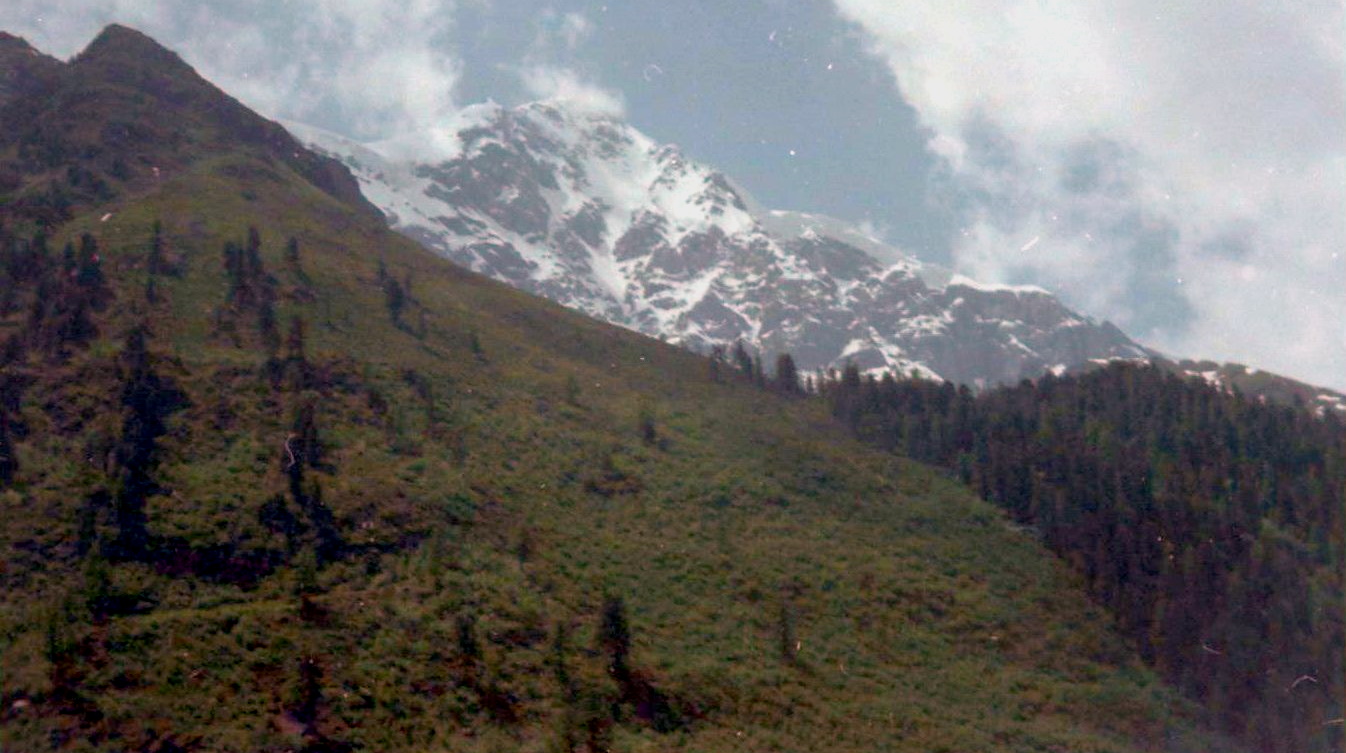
588, 211
131, 114
125, 48
22, 68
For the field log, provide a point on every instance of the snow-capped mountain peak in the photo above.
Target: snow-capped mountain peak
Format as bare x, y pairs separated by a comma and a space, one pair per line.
588, 211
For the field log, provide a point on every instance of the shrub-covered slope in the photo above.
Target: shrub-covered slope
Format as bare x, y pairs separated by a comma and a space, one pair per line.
275, 478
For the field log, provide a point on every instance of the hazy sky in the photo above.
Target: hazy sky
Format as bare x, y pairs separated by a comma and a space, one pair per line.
1176, 167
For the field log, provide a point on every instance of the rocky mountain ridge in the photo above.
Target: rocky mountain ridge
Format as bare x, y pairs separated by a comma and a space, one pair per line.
134, 115
589, 212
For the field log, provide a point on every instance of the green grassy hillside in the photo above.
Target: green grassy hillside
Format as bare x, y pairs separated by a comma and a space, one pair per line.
445, 515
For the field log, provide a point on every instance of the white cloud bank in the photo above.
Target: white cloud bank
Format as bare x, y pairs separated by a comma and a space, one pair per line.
1184, 164
547, 71
366, 68
565, 86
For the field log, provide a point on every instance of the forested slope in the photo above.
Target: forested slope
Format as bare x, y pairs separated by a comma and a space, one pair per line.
1210, 525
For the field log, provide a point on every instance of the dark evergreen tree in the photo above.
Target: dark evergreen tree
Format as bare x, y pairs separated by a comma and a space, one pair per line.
717, 361
292, 257
306, 446
560, 664
249, 285
395, 298
302, 450
9, 461
787, 375
308, 695
269, 331
294, 342
296, 371
156, 262
743, 361
147, 399
465, 630
234, 273
93, 287
785, 631
252, 254
329, 544
614, 637
649, 433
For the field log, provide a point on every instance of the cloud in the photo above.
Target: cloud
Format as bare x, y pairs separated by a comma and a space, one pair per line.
1182, 164
368, 69
548, 70
565, 86
565, 30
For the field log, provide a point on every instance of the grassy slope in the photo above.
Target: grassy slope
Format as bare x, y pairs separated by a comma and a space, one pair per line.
923, 621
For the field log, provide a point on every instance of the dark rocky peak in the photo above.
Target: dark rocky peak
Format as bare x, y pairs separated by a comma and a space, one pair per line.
832, 258
609, 139
15, 45
503, 131
670, 155
719, 194
126, 56
23, 69
117, 41
546, 110
124, 104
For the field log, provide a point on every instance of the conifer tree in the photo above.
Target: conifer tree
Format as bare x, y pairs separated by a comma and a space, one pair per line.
252, 254
717, 360
465, 631
269, 330
787, 375
9, 462
234, 273
156, 263
559, 664
649, 433
292, 256
147, 399
306, 445
395, 299
294, 341
93, 287
742, 360
308, 695
296, 370
614, 636
785, 631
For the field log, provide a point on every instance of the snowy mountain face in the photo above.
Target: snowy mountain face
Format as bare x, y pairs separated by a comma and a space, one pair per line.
589, 212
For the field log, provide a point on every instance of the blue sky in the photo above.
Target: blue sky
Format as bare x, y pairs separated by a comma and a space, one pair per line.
1178, 168
782, 96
